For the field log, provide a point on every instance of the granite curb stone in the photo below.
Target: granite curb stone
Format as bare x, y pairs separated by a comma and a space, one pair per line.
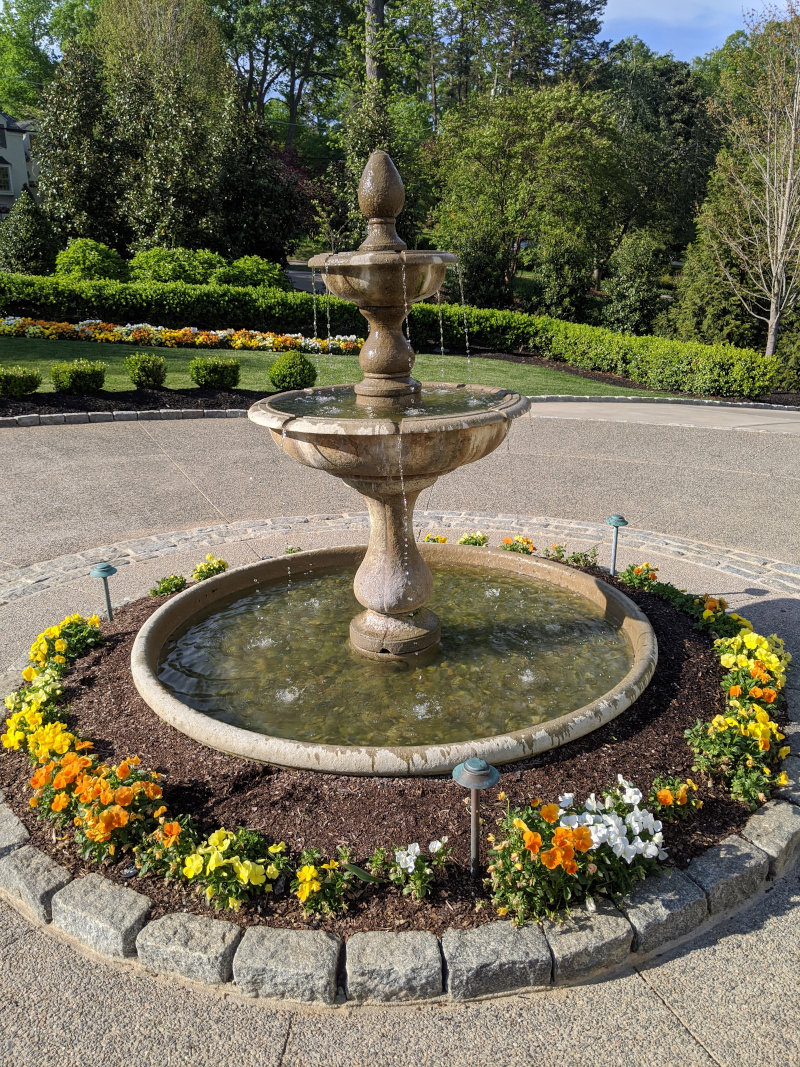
393, 966
664, 909
729, 873
495, 958
791, 791
288, 964
588, 942
100, 914
13, 832
775, 829
192, 946
33, 878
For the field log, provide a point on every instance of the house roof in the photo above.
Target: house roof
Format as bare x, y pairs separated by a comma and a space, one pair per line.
12, 123
4, 161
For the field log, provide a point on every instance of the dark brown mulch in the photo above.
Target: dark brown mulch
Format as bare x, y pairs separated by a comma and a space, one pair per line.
305, 809
156, 399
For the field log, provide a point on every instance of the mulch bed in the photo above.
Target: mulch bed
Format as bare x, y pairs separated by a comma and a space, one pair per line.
304, 808
156, 399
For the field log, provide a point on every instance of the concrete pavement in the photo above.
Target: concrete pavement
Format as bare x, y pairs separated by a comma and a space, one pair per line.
696, 494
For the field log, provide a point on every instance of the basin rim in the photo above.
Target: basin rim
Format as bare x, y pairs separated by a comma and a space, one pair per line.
511, 405
336, 262
398, 760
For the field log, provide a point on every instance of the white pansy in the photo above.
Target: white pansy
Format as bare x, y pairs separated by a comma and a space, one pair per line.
569, 820
435, 846
566, 800
590, 804
632, 796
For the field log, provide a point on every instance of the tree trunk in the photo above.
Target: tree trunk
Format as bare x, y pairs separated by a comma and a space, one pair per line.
773, 329
375, 68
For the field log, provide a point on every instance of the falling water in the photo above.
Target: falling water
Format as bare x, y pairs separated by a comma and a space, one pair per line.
405, 507
314, 305
441, 327
405, 294
466, 327
328, 316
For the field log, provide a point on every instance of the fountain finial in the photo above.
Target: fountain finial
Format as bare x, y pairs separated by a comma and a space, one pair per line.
381, 197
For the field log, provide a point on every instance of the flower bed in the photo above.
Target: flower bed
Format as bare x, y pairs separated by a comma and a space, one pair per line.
189, 337
546, 857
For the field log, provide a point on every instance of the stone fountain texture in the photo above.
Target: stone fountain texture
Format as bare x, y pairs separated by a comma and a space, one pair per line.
388, 458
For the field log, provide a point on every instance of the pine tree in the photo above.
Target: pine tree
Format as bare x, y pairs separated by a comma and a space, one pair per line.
28, 243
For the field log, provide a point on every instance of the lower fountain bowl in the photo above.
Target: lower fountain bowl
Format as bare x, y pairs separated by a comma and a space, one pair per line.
400, 760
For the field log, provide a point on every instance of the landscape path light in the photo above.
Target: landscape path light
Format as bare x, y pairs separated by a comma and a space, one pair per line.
614, 521
475, 774
104, 571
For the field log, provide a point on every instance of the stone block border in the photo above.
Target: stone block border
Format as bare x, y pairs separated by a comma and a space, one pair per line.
313, 966
74, 418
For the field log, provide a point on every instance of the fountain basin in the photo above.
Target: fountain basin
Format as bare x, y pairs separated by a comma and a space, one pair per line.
427, 445
399, 760
373, 279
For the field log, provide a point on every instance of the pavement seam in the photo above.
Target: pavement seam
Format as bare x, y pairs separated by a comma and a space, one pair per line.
679, 1020
285, 1042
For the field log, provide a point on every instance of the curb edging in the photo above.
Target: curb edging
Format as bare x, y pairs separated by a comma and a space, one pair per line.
381, 967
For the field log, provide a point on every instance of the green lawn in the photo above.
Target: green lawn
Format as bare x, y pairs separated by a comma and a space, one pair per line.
333, 369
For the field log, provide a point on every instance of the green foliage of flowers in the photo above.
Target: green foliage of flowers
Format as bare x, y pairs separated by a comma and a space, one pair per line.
164, 850
230, 868
18, 381
742, 746
410, 869
89, 260
672, 798
210, 566
292, 370
215, 372
480, 540
173, 583
574, 559
146, 370
63, 643
523, 545
78, 376
709, 613
654, 362
552, 856
323, 888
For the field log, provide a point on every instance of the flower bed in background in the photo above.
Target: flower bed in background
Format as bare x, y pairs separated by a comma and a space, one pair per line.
189, 337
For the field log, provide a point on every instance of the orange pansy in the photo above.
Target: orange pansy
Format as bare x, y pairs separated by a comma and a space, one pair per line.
550, 813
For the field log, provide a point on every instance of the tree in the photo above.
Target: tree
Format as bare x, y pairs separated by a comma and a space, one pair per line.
28, 243
76, 151
751, 218
32, 36
535, 167
633, 297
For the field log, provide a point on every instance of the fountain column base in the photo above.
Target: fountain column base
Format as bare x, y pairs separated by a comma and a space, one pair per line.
395, 637
394, 581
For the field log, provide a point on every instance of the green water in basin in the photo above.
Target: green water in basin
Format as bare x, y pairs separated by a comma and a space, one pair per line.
340, 403
277, 661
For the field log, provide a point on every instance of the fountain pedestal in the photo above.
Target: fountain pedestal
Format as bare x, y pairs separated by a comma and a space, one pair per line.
396, 449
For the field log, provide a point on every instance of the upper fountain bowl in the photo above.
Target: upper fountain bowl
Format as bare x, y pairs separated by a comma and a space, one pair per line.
375, 279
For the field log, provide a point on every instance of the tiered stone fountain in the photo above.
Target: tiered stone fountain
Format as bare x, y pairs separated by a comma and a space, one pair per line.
388, 458
390, 438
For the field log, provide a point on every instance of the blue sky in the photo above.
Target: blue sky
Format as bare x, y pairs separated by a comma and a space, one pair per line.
687, 28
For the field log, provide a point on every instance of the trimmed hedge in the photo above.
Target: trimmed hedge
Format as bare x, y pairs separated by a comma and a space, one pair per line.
146, 370
79, 377
654, 362
215, 372
292, 370
18, 381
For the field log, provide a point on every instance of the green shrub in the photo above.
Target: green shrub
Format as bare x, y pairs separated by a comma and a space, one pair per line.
292, 370
655, 362
251, 270
146, 370
633, 296
215, 372
90, 260
28, 241
80, 376
18, 381
194, 267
